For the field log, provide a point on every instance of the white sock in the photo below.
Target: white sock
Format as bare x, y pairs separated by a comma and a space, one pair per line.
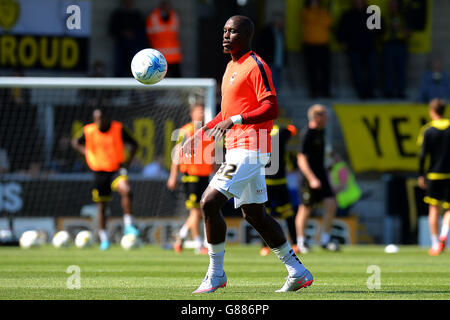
325, 238
444, 232
293, 265
198, 242
205, 241
434, 240
127, 219
103, 235
216, 253
300, 241
183, 233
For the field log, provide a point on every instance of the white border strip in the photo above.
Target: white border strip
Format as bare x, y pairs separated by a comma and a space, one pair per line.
102, 83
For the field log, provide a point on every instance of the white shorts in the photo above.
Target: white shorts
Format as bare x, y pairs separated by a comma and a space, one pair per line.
242, 176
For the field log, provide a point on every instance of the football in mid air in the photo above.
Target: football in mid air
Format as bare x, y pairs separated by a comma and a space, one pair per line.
149, 66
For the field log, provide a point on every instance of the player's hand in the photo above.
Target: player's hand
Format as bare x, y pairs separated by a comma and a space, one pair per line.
422, 182
315, 183
220, 129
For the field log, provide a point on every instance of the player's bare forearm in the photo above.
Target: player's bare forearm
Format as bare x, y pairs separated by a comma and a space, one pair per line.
175, 157
78, 147
172, 181
421, 181
173, 171
303, 164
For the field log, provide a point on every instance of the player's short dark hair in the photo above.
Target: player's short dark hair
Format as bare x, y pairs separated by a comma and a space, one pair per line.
438, 106
247, 25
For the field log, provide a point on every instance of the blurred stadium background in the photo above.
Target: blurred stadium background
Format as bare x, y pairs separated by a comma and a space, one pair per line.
45, 185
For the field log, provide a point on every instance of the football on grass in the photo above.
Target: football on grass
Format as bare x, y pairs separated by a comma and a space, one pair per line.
30, 239
84, 239
61, 239
129, 241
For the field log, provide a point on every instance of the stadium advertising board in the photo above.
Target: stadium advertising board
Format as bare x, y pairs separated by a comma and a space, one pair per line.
20, 225
382, 137
45, 34
162, 231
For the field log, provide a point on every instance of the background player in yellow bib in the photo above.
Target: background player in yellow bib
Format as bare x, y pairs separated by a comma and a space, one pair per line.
195, 179
102, 143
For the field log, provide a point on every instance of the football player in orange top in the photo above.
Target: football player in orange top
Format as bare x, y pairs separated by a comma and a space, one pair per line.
103, 145
195, 179
249, 106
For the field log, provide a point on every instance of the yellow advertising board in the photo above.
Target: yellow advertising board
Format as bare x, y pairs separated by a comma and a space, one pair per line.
382, 137
43, 35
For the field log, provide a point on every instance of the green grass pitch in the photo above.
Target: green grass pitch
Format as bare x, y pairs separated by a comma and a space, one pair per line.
153, 273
